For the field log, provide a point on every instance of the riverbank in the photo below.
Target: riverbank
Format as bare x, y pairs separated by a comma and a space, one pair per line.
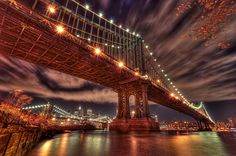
18, 141
20, 130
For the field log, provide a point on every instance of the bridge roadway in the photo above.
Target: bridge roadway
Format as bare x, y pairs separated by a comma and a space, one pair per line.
26, 35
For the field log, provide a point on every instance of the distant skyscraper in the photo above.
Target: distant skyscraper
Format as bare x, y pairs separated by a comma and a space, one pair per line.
89, 112
76, 113
81, 111
232, 122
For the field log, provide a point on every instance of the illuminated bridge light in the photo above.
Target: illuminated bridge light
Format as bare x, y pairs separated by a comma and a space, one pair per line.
158, 81
97, 51
60, 29
151, 54
120, 26
155, 60
111, 21
146, 76
100, 14
87, 6
51, 9
146, 47
172, 94
136, 73
127, 30
120, 64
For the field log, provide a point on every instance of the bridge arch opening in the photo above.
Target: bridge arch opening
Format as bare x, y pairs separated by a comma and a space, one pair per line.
132, 105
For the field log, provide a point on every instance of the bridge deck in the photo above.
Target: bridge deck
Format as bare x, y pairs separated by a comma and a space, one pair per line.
28, 36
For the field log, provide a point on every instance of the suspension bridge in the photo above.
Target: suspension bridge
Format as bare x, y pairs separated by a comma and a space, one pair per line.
69, 37
55, 112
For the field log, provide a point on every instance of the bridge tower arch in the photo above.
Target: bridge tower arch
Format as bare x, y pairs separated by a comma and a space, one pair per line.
141, 119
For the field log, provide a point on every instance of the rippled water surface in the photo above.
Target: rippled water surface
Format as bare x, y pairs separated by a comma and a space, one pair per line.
104, 143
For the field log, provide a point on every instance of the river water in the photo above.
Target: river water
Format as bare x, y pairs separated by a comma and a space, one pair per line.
104, 143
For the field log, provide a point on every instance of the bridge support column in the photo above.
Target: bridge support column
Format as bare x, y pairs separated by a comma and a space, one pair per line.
123, 111
203, 126
145, 101
141, 119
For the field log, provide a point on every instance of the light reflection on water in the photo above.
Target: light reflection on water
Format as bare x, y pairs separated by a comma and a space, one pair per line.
103, 143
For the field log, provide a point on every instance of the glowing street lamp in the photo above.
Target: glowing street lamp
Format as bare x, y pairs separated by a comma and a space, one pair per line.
97, 51
133, 113
51, 9
60, 29
100, 14
87, 6
120, 64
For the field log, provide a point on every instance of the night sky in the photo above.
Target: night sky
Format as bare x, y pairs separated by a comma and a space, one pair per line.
202, 69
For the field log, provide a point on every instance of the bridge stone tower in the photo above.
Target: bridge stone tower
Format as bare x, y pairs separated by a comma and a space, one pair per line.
141, 119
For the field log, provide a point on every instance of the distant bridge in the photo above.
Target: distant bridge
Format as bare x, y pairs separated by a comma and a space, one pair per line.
69, 37
54, 112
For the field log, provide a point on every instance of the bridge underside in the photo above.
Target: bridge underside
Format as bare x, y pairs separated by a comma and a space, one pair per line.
28, 36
